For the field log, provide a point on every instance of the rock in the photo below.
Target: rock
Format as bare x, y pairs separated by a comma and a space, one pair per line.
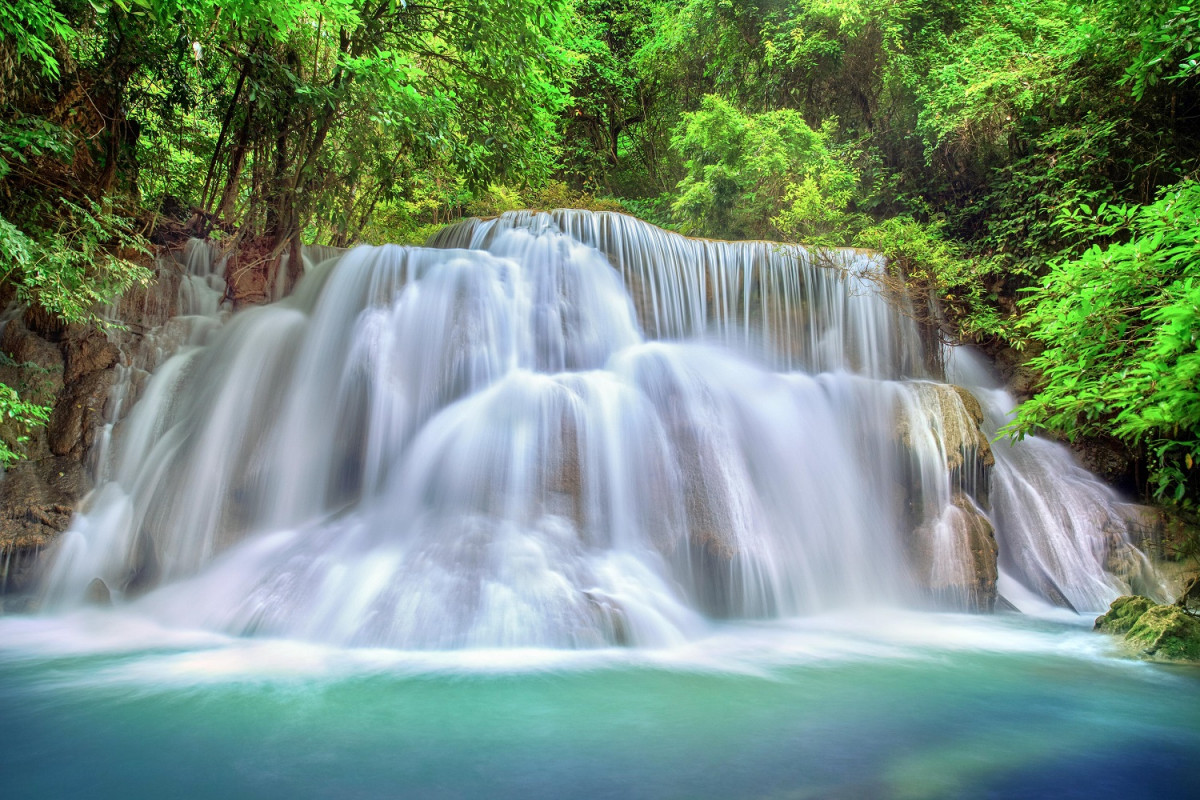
1166, 633
970, 404
1157, 632
70, 368
969, 583
1123, 613
78, 411
26, 347
1156, 531
43, 323
87, 350
146, 571
1108, 458
1189, 598
981, 543
953, 416
611, 617
97, 593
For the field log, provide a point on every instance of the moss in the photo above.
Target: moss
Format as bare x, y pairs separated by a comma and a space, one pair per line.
1163, 633
1168, 633
1123, 613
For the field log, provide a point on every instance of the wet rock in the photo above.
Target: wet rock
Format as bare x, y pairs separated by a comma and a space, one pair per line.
1166, 633
72, 369
970, 404
563, 474
1108, 458
1156, 632
97, 593
146, 570
965, 577
953, 416
1021, 380
981, 544
78, 411
612, 617
1156, 530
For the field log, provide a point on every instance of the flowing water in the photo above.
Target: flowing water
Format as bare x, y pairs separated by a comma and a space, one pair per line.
564, 504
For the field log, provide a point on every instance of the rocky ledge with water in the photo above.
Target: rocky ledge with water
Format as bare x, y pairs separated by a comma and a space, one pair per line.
567, 430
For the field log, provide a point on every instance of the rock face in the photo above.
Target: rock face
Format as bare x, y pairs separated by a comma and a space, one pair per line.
955, 556
955, 417
1156, 632
952, 548
72, 369
1123, 613
1167, 633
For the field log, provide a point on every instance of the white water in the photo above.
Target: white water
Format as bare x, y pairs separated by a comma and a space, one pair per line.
564, 430
1058, 527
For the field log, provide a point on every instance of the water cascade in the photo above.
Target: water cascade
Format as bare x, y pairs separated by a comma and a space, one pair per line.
570, 430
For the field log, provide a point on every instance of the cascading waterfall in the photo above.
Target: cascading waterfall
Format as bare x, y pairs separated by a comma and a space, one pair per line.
564, 430
1060, 531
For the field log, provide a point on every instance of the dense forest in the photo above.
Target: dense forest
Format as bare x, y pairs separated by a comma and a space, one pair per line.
1032, 165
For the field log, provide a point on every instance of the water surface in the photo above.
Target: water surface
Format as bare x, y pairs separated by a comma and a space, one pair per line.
871, 704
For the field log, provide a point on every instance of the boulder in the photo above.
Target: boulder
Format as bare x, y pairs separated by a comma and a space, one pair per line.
1166, 633
1156, 632
970, 582
954, 417
1123, 613
97, 593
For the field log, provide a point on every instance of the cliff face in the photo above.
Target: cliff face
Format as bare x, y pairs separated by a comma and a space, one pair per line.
73, 369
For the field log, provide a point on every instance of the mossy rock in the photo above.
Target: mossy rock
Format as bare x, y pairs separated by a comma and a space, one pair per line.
1168, 633
1123, 614
1163, 633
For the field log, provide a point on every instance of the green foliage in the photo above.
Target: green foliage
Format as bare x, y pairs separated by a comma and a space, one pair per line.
1169, 39
927, 260
85, 261
20, 417
29, 31
1121, 327
756, 176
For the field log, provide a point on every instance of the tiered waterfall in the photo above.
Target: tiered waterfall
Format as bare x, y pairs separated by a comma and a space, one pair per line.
570, 430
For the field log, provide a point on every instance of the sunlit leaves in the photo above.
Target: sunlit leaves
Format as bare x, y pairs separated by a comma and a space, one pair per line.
1121, 327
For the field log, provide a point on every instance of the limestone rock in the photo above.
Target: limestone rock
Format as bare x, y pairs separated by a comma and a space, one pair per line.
1123, 613
1166, 633
968, 579
97, 593
1157, 632
981, 544
77, 413
953, 416
25, 346
87, 350
970, 404
1106, 457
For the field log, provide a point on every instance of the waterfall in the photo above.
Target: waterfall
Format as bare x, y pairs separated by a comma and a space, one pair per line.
1060, 529
563, 430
